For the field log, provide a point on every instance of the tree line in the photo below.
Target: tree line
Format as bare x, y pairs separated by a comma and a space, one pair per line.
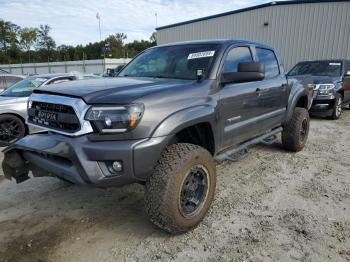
35, 45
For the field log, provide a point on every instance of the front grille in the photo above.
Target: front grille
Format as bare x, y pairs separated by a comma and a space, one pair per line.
53, 107
55, 116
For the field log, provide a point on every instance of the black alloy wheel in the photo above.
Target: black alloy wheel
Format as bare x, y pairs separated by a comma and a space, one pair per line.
194, 191
12, 128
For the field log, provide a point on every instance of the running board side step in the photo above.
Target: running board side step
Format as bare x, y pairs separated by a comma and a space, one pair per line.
267, 139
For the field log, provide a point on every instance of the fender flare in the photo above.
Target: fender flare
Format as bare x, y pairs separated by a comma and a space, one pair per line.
294, 97
185, 118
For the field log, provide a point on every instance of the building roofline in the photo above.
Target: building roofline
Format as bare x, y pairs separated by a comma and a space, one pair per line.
217, 41
275, 3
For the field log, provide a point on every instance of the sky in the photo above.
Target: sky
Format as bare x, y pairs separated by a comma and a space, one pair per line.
74, 21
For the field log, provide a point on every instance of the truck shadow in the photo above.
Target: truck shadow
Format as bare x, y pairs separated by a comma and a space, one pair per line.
53, 219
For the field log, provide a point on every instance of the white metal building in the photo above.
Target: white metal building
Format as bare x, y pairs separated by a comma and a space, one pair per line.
299, 30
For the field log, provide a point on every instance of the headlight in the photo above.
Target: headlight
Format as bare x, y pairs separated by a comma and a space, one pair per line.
29, 103
325, 89
115, 119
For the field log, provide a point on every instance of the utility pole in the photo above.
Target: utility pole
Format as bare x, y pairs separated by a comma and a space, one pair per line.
155, 31
156, 15
104, 53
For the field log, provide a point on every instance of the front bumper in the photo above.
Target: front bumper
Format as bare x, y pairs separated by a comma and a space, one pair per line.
323, 105
83, 162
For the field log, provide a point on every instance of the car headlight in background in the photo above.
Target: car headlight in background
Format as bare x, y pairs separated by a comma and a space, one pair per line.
312, 86
326, 89
29, 103
115, 119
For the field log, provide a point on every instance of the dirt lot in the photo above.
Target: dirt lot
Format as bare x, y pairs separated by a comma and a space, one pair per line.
271, 206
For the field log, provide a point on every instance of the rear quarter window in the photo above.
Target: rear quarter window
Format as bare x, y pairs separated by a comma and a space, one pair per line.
268, 58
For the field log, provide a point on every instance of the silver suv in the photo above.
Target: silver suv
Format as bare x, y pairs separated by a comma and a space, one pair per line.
13, 105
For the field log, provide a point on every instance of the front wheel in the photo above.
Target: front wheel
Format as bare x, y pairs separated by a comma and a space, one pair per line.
181, 189
337, 110
296, 131
12, 128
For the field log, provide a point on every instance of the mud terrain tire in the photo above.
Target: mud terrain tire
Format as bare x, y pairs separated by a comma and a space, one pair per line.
296, 131
173, 182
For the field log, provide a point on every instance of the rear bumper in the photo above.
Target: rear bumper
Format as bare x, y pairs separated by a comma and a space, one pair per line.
83, 162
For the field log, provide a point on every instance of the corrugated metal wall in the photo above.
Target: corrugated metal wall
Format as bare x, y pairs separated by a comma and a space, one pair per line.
297, 31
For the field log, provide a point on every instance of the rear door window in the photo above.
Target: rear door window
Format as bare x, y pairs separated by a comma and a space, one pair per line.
11, 80
268, 58
2, 83
236, 56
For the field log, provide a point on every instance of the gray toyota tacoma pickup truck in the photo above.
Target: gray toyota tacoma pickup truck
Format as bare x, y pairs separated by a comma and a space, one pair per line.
170, 112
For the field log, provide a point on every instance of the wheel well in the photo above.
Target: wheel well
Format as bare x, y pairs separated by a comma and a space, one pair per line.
21, 118
302, 102
199, 134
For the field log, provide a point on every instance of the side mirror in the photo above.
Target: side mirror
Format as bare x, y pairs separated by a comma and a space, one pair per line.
247, 72
119, 68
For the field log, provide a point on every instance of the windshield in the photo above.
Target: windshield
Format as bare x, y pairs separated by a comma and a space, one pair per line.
24, 88
180, 62
317, 69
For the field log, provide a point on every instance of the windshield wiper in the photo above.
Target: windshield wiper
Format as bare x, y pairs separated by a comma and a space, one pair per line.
169, 77
159, 76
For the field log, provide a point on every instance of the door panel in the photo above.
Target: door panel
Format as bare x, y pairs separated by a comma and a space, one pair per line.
239, 103
241, 108
274, 90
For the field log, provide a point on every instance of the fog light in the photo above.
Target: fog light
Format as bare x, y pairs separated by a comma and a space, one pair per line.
115, 167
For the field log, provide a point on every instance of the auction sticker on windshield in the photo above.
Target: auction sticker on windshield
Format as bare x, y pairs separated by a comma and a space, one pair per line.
201, 55
335, 64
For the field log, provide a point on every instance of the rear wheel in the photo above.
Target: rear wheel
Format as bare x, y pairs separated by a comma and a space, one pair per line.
181, 189
296, 131
12, 128
337, 110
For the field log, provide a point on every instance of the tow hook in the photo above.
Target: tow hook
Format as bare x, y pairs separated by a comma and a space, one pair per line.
14, 166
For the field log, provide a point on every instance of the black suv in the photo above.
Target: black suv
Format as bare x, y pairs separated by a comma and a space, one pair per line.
331, 85
162, 122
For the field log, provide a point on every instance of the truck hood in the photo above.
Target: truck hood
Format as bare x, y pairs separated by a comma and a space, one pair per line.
325, 79
120, 90
320, 79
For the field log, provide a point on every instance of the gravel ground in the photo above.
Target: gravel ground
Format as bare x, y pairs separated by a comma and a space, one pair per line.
270, 206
